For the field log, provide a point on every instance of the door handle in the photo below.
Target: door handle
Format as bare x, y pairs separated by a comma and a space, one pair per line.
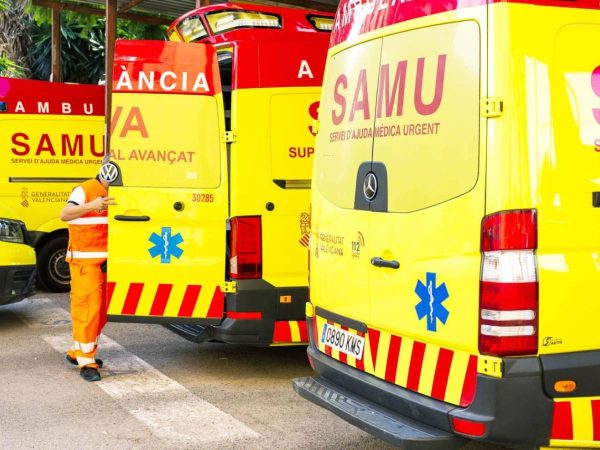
380, 262
132, 218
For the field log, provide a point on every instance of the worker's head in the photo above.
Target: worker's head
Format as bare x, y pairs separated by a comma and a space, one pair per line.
108, 171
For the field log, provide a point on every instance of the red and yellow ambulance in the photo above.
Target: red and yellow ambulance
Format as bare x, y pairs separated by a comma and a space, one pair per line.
455, 235
53, 138
213, 136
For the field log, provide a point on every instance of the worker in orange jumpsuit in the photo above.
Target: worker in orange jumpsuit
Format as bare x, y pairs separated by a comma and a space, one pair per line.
86, 215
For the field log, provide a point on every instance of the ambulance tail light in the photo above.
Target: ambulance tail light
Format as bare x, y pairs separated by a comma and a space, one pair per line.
245, 261
508, 311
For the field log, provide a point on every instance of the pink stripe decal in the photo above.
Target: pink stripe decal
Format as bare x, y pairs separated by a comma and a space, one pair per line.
355, 18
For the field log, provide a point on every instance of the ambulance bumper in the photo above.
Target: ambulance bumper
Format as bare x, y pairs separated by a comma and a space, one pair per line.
514, 409
16, 283
250, 316
372, 418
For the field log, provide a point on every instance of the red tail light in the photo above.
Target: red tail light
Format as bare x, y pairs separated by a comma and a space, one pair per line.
508, 311
245, 260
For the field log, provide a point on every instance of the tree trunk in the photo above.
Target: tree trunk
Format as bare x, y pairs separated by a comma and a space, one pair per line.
15, 38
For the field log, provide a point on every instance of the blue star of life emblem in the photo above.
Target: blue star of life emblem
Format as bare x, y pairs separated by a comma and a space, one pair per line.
165, 245
430, 305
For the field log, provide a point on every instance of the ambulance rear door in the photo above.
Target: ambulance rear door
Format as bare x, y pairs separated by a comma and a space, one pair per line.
167, 232
428, 163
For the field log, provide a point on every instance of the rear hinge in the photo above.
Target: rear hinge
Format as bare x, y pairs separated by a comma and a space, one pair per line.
229, 287
490, 365
492, 107
314, 129
229, 136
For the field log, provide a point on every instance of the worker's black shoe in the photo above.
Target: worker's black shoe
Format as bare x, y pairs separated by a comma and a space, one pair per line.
90, 374
74, 361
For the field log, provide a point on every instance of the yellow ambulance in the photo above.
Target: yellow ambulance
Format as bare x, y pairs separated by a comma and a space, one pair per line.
17, 259
455, 235
213, 136
52, 137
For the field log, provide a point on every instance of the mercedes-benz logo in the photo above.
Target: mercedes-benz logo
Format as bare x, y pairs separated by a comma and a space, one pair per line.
370, 186
109, 172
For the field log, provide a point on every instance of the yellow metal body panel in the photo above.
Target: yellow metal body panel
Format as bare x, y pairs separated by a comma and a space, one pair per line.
12, 254
543, 154
173, 263
271, 164
44, 154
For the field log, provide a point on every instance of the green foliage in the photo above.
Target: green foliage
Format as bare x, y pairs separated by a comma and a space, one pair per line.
8, 68
82, 43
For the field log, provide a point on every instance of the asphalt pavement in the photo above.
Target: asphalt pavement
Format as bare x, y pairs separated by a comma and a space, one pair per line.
158, 391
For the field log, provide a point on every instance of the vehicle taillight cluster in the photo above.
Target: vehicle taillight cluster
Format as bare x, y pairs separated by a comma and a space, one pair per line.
245, 261
508, 320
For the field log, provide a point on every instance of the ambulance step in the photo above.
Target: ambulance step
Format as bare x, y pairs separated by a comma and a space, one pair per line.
408, 434
194, 333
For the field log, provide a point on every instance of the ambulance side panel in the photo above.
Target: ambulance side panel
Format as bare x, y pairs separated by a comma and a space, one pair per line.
53, 136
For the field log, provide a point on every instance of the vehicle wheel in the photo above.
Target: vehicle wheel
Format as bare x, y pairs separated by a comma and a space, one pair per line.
53, 269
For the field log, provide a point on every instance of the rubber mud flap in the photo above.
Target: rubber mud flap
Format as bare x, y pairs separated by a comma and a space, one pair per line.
408, 434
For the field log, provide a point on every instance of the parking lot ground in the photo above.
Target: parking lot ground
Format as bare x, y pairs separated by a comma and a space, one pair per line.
158, 391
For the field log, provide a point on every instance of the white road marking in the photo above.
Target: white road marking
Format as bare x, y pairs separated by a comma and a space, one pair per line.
163, 405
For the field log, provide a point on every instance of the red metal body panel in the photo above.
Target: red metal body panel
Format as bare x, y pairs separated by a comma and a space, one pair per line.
165, 67
268, 56
43, 97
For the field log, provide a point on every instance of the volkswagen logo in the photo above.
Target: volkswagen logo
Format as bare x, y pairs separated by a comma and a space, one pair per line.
109, 172
370, 186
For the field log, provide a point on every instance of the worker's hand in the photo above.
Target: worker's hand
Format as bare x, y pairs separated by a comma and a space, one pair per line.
101, 203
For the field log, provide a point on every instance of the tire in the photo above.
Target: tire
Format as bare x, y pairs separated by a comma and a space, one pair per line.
53, 269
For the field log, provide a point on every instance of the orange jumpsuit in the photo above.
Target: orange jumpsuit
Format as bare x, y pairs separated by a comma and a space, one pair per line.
86, 253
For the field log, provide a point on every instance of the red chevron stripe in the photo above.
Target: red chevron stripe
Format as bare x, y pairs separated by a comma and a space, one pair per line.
133, 298
416, 364
562, 422
596, 419
468, 392
442, 371
110, 290
217, 304
282, 332
303, 330
189, 300
374, 344
392, 361
160, 299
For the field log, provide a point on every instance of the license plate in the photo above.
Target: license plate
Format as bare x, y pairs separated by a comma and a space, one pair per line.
342, 340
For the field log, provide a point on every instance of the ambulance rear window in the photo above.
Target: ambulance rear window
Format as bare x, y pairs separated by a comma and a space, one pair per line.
321, 23
223, 21
192, 29
430, 146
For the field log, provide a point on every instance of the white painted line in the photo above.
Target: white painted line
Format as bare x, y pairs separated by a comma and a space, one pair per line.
163, 405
